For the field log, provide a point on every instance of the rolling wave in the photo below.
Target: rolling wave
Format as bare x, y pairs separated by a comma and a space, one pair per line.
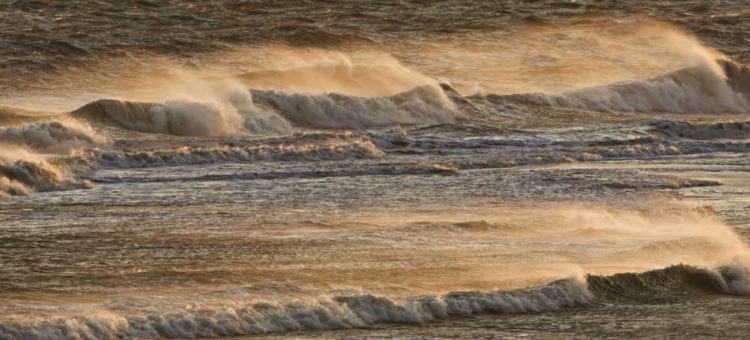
23, 172
344, 312
704, 89
11, 116
421, 105
675, 283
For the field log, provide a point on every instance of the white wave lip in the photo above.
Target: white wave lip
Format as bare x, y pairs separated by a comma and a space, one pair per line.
325, 314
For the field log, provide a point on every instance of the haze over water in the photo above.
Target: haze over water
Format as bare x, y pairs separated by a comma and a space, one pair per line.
387, 170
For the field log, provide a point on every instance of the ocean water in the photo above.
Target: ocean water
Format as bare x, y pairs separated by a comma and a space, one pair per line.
374, 170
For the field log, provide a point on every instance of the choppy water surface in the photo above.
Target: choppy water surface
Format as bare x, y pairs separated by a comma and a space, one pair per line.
374, 170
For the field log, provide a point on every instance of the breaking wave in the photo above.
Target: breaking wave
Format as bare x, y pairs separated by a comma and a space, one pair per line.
183, 118
345, 312
712, 88
53, 136
422, 105
385, 169
23, 172
706, 89
324, 314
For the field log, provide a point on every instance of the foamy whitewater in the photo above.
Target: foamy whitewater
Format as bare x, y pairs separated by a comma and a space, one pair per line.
391, 170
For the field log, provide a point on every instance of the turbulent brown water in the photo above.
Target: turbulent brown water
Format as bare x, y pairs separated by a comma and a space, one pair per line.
374, 170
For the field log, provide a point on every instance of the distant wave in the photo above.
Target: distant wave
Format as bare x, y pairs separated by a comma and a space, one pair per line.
676, 283
696, 90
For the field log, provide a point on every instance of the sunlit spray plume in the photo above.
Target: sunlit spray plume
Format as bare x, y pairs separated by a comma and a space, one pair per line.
362, 72
554, 58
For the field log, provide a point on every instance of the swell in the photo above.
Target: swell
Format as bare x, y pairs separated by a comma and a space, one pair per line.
671, 284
